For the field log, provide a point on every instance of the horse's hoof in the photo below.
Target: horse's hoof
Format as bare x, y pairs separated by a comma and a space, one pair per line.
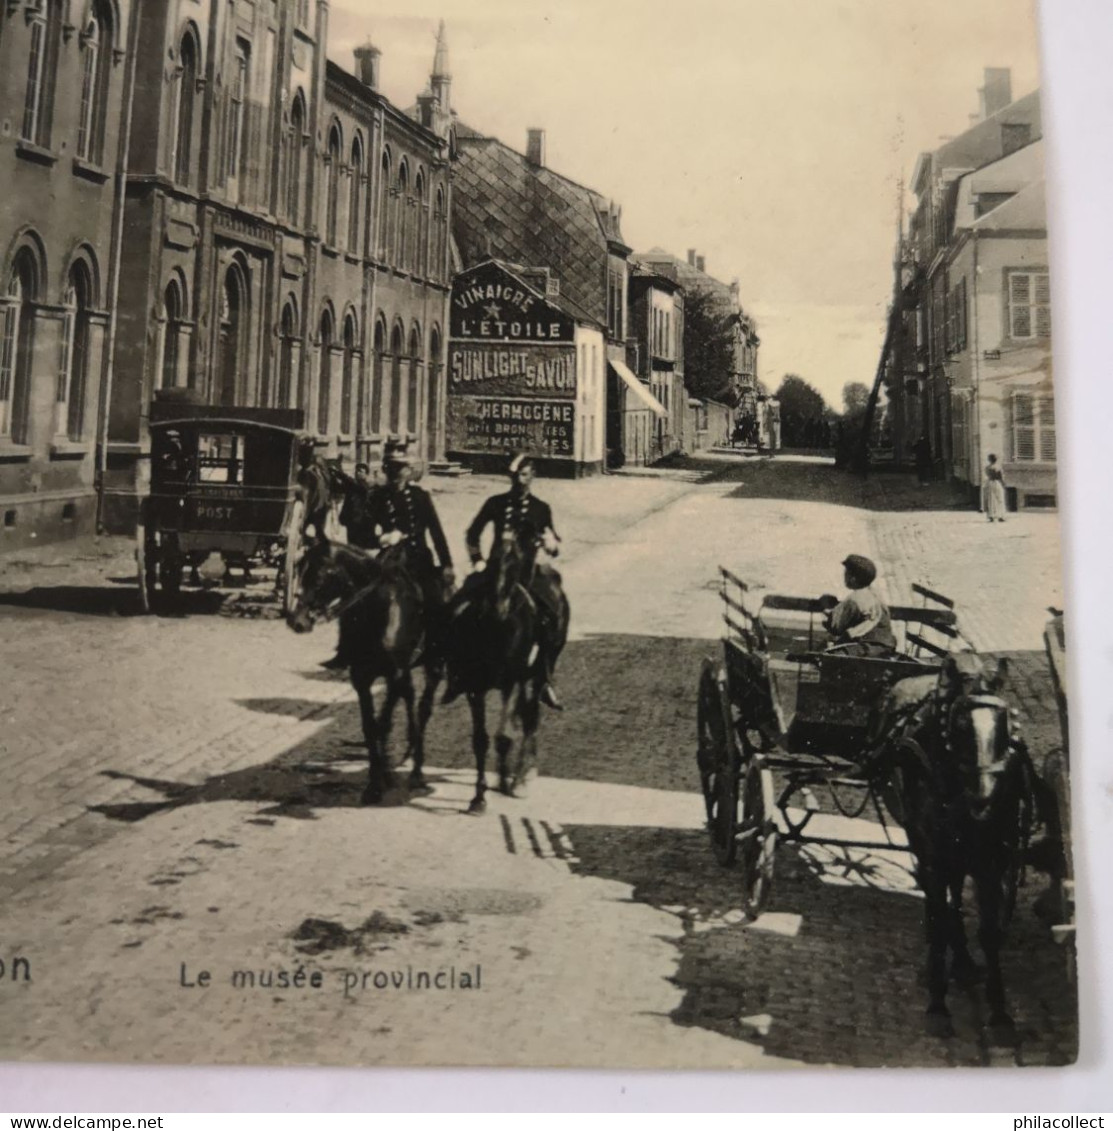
477, 806
371, 797
417, 780
939, 1025
505, 787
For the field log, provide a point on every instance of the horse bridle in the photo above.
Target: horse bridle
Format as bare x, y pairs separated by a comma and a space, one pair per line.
982, 701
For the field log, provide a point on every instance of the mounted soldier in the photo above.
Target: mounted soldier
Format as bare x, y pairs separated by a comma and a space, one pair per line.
520, 515
401, 516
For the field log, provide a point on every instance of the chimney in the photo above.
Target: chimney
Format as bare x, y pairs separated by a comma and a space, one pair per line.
367, 65
535, 147
700, 261
691, 257
997, 92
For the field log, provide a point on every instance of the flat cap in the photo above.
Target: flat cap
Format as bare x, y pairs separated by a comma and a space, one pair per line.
397, 451
861, 566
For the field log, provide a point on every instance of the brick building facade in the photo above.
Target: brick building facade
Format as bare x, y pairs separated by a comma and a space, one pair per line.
287, 235
65, 73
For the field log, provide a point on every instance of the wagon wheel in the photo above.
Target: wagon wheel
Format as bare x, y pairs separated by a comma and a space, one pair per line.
170, 564
716, 761
757, 837
146, 563
295, 547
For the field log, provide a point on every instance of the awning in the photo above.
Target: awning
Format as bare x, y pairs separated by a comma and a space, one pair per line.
640, 391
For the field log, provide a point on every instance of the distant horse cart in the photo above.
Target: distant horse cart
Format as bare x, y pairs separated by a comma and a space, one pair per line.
222, 480
920, 732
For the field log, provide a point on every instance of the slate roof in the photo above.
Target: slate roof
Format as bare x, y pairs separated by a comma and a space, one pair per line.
506, 208
1011, 174
1025, 212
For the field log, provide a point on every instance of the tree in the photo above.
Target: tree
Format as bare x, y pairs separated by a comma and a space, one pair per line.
708, 348
804, 414
855, 397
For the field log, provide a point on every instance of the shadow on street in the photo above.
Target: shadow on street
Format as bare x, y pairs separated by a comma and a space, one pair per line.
830, 975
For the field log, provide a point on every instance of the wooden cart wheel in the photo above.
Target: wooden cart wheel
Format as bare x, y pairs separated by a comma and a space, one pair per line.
141, 568
795, 828
295, 547
757, 836
710, 734
717, 762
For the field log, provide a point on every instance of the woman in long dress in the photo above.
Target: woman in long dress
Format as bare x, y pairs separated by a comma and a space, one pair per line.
993, 491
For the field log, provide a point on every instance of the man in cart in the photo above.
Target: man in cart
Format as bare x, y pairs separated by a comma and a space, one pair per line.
860, 622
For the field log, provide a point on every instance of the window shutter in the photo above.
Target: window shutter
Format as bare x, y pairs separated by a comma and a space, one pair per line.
1043, 305
1020, 312
1024, 428
1047, 429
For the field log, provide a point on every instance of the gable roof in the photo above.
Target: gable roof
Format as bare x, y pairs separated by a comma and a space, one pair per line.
1024, 212
505, 207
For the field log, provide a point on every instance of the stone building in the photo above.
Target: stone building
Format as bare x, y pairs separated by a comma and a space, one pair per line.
563, 238
740, 384
967, 357
65, 75
647, 427
287, 234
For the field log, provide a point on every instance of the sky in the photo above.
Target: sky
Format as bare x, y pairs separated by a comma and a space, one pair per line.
773, 136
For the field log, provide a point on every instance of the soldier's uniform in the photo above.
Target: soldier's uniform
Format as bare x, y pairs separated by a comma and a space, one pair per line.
530, 520
402, 514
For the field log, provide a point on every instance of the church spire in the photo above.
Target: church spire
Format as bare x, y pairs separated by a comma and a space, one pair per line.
440, 80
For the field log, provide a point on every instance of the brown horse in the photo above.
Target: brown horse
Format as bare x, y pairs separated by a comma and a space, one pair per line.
492, 643
382, 617
961, 784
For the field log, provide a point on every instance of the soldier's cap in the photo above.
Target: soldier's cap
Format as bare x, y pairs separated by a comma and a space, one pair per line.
861, 566
517, 462
397, 452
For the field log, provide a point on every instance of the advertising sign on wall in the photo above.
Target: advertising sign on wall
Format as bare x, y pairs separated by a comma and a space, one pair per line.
503, 424
512, 380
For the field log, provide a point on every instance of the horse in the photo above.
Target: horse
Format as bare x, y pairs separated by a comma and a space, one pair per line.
959, 781
492, 643
382, 619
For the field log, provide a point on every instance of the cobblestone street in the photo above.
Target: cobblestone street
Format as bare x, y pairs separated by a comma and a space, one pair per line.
181, 793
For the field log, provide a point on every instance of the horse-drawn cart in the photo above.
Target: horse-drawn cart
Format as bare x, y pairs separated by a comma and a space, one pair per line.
780, 700
222, 480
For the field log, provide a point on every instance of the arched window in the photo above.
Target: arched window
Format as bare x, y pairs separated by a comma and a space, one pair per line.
432, 404
96, 62
45, 23
377, 377
347, 375
384, 249
324, 384
174, 309
332, 185
421, 227
397, 349
401, 227
440, 229
355, 195
295, 142
237, 123
17, 324
183, 111
74, 371
414, 382
233, 318
287, 337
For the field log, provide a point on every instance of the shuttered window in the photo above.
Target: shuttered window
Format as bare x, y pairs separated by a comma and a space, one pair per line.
1029, 305
1033, 428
